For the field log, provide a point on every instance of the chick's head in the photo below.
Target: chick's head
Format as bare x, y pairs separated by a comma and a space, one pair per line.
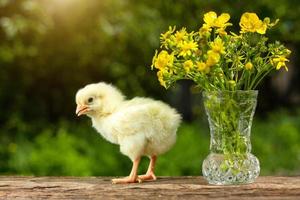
98, 99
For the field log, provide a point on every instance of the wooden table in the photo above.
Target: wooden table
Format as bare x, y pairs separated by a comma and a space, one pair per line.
164, 188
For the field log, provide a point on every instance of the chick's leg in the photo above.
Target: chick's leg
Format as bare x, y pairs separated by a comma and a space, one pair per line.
132, 178
150, 172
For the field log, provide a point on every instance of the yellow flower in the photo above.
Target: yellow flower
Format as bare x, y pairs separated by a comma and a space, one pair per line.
221, 31
201, 66
279, 62
165, 37
222, 20
188, 65
212, 20
212, 58
180, 36
163, 60
161, 80
251, 23
204, 30
187, 48
249, 66
218, 46
168, 33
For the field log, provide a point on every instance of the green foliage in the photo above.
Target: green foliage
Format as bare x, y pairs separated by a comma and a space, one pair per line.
280, 138
68, 149
76, 149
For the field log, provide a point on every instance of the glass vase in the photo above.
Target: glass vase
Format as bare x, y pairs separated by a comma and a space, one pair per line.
230, 115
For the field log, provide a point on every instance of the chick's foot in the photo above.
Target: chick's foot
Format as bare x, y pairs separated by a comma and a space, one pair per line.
150, 172
132, 178
127, 179
147, 177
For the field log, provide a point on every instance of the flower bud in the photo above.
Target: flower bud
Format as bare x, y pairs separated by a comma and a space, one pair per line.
249, 66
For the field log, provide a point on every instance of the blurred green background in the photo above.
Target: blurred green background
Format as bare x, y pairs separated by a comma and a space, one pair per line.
51, 48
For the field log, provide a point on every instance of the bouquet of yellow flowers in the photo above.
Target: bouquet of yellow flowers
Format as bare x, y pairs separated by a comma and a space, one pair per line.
227, 67
217, 60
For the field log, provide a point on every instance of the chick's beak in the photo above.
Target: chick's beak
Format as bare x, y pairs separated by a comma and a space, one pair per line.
81, 109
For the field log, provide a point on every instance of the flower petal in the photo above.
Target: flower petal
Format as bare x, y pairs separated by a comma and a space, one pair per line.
210, 17
223, 18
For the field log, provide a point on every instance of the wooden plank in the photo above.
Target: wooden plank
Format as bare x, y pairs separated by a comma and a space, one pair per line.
163, 188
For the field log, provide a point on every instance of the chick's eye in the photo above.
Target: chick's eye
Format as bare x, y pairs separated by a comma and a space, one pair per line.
90, 100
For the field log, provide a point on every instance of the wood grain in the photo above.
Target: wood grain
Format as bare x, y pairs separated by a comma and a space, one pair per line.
164, 188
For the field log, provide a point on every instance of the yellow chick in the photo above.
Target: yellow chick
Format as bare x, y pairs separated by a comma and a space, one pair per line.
141, 126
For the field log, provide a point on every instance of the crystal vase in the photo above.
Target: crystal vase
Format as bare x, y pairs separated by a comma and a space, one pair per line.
230, 115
